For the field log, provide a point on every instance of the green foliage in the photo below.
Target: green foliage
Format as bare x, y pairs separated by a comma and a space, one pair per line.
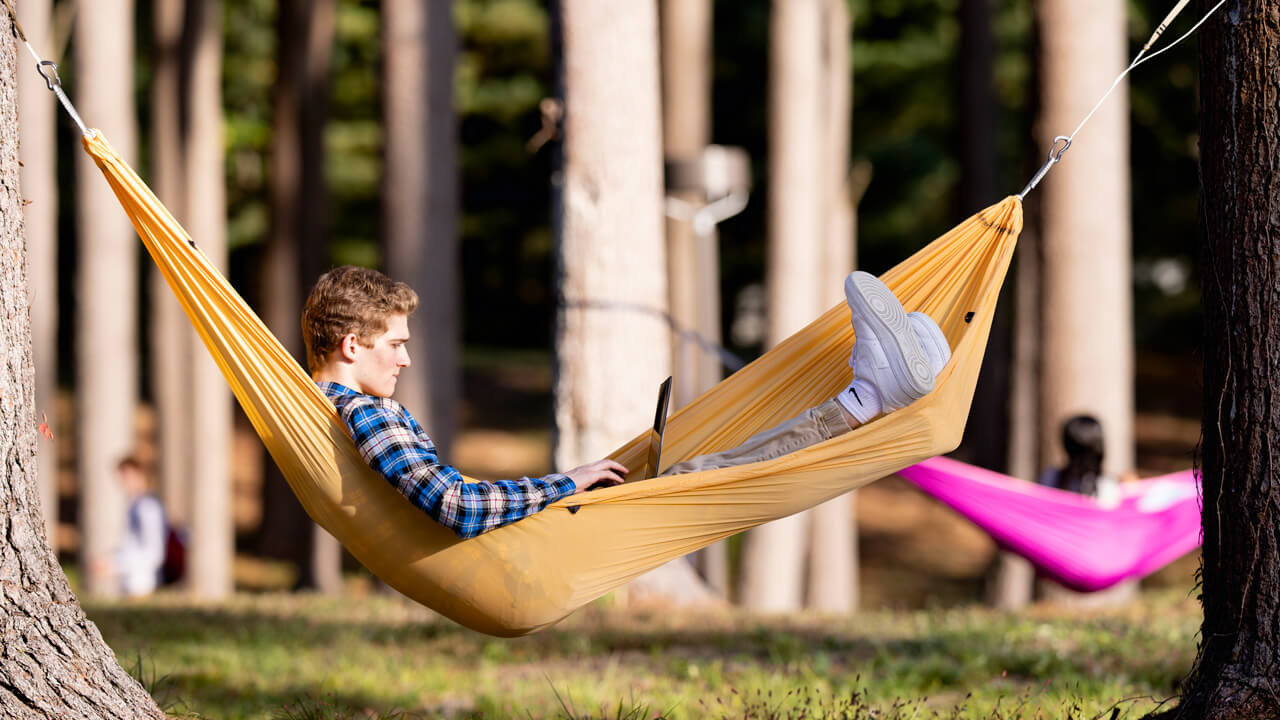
375, 656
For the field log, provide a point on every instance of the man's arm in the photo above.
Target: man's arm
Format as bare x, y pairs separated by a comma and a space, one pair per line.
392, 447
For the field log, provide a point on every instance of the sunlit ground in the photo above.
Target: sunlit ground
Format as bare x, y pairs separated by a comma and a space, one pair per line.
270, 655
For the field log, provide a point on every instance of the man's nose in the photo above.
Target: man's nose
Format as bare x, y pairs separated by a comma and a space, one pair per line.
404, 358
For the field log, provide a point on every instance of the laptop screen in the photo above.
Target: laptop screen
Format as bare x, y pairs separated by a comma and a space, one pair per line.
659, 427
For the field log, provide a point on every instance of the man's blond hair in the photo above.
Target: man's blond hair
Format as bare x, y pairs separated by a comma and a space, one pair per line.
347, 300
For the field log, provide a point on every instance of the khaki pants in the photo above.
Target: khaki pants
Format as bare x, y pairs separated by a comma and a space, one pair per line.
808, 428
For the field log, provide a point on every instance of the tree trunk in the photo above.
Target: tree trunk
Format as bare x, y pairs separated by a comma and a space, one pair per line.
106, 289
1088, 326
53, 662
1088, 297
40, 188
212, 528
1003, 430
171, 335
420, 201
833, 541
612, 343
1236, 669
693, 268
297, 251
773, 562
987, 431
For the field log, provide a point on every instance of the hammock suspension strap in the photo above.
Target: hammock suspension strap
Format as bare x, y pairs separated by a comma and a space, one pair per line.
51, 78
1055, 152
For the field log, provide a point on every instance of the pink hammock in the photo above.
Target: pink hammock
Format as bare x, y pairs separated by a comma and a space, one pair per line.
1072, 538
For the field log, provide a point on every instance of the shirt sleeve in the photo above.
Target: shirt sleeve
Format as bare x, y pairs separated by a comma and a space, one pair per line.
391, 446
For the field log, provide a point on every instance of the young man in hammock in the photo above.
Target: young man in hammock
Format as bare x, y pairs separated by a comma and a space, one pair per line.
355, 325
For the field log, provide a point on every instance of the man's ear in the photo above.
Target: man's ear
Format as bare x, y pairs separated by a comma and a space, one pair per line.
348, 347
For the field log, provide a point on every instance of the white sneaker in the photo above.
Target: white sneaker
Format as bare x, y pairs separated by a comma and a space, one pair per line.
931, 340
886, 352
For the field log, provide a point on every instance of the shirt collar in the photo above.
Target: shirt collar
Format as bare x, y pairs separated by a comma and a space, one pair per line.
333, 389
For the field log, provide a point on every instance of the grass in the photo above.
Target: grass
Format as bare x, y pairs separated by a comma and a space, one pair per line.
373, 656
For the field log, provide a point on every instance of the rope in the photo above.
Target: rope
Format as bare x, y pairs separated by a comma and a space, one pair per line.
1055, 152
51, 78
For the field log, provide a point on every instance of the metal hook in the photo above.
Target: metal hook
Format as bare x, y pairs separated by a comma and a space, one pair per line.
1055, 154
51, 82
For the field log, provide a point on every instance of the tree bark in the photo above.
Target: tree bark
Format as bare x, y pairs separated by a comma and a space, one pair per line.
420, 202
212, 528
1235, 673
106, 288
37, 126
53, 662
1088, 296
833, 540
297, 251
773, 561
612, 341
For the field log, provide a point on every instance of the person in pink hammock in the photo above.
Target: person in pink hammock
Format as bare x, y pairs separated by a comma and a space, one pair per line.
355, 326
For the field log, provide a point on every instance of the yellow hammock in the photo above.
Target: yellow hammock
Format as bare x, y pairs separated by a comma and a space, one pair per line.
528, 575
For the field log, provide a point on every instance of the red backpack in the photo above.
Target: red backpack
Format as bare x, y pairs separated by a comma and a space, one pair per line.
175, 557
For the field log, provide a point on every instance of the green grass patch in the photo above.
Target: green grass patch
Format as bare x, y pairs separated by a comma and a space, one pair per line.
373, 656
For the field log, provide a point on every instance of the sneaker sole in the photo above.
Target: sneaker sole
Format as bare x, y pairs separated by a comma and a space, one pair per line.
939, 340
878, 306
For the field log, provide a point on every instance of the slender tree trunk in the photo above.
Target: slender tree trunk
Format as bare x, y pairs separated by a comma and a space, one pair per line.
833, 542
297, 250
212, 528
53, 662
1008, 376
987, 430
1088, 296
420, 201
773, 560
171, 335
40, 189
693, 267
106, 287
1236, 671
612, 341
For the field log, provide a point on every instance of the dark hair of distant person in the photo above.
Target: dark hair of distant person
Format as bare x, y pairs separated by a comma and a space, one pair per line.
1082, 439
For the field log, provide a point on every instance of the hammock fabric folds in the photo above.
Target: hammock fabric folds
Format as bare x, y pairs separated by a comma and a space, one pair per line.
1071, 538
526, 576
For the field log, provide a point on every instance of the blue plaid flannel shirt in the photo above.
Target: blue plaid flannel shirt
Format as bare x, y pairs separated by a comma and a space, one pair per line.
393, 443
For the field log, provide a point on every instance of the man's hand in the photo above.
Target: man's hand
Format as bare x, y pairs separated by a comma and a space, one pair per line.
601, 473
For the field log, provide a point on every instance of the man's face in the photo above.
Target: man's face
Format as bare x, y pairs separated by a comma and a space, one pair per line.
377, 368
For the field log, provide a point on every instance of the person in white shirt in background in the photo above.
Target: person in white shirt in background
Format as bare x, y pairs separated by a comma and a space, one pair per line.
140, 555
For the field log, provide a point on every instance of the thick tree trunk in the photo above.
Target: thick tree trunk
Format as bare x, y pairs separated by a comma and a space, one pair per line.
53, 662
106, 289
773, 562
37, 125
1088, 323
420, 202
612, 341
1088, 295
833, 540
171, 335
212, 529
297, 251
1237, 668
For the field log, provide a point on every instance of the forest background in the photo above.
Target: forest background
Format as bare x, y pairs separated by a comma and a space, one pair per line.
908, 63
